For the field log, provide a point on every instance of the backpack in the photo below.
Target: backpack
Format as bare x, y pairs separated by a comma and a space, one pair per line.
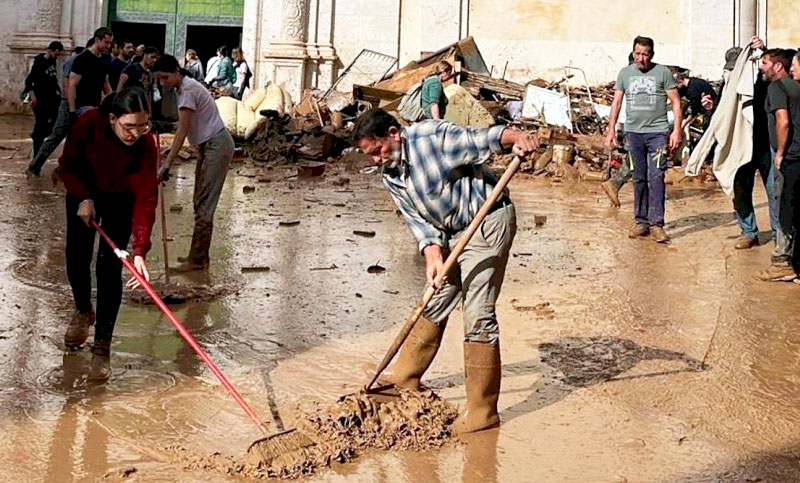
410, 107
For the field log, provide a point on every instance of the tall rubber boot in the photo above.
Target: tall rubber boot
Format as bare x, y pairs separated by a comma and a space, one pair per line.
100, 369
482, 367
198, 252
416, 355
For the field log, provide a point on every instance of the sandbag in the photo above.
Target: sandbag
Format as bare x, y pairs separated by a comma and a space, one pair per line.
228, 107
288, 105
244, 119
255, 99
273, 100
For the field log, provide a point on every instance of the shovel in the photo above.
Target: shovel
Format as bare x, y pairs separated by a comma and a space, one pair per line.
430, 291
268, 446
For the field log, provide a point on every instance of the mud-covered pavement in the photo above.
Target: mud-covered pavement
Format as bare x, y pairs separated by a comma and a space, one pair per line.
602, 338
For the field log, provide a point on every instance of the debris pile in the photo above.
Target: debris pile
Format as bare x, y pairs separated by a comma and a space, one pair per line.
282, 139
411, 421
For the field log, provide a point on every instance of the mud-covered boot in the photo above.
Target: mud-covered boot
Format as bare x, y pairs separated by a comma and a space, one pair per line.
78, 329
198, 252
482, 366
416, 355
100, 369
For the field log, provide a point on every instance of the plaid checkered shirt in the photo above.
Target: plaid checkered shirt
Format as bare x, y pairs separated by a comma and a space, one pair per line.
442, 180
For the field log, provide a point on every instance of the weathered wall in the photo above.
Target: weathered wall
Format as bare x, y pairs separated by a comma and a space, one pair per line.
783, 20
11, 65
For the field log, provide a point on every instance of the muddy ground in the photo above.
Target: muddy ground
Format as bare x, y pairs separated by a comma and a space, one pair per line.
602, 338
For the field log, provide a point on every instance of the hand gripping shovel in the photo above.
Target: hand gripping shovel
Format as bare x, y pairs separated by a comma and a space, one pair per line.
269, 446
430, 291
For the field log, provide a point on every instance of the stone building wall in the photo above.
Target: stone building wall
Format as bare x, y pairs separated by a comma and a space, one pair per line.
307, 43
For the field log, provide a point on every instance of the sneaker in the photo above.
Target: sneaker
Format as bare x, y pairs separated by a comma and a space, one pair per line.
100, 369
745, 242
658, 234
612, 192
639, 230
777, 273
78, 329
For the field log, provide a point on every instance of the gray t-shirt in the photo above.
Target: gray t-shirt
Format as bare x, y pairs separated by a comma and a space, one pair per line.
206, 122
645, 97
785, 94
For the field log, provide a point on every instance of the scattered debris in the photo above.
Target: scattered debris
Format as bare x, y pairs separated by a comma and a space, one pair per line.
364, 233
376, 268
309, 169
332, 267
539, 220
248, 189
255, 269
176, 208
289, 223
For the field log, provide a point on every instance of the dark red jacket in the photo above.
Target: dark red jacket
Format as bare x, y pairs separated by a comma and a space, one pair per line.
95, 161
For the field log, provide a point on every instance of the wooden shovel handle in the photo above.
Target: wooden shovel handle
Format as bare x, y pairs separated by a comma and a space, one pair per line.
448, 265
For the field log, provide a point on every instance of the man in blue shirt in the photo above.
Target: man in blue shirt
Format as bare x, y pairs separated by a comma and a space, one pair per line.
437, 175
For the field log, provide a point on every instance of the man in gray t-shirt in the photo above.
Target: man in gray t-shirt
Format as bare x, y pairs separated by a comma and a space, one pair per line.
645, 86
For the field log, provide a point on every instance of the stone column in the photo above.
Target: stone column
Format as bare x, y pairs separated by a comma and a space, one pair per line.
324, 62
745, 20
286, 57
39, 22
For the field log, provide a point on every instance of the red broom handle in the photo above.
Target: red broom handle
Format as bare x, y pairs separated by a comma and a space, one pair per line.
123, 256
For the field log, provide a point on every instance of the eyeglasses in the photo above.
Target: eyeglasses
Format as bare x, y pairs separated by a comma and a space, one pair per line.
136, 130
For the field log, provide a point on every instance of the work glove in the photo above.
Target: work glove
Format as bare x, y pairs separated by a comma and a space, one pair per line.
163, 174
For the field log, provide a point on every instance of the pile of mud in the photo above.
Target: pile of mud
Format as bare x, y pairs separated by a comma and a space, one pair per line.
411, 421
176, 294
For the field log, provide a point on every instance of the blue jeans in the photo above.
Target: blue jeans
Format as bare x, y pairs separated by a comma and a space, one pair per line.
649, 154
784, 240
743, 195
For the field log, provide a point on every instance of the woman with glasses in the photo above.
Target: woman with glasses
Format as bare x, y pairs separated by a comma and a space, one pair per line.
109, 169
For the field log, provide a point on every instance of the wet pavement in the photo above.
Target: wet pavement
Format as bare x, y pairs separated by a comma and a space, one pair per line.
602, 337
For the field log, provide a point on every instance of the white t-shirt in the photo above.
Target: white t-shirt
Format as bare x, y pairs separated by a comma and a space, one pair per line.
212, 69
206, 122
241, 74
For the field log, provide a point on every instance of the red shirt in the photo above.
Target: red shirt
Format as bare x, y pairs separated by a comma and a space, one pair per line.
95, 161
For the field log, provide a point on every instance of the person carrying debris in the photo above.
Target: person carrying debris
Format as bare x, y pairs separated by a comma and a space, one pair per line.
437, 175
109, 170
199, 120
646, 87
432, 98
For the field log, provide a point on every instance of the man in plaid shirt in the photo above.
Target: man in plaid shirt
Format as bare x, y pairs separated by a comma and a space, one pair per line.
436, 173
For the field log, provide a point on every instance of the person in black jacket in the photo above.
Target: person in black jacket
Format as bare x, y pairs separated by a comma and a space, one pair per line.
45, 93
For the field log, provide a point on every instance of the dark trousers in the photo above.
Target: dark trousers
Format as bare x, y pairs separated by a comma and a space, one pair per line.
114, 213
789, 211
58, 133
650, 155
44, 113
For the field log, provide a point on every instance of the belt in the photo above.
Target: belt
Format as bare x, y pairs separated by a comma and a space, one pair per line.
501, 203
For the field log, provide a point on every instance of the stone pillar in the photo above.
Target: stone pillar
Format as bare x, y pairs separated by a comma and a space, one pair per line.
323, 61
287, 57
37, 27
745, 20
39, 22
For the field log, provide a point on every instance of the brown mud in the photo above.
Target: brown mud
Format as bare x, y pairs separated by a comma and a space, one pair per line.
337, 433
602, 338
